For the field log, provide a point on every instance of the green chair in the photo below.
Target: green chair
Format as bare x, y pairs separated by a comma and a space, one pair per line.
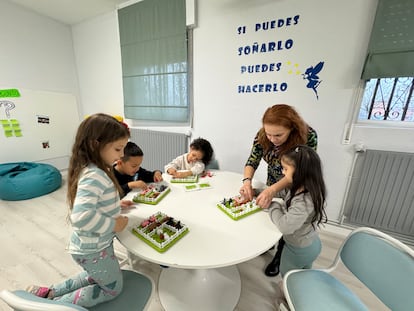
135, 296
382, 263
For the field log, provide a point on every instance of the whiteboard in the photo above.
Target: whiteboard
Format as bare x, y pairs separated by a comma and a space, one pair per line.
47, 122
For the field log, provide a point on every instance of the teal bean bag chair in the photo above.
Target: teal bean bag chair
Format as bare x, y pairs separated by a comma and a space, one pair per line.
26, 180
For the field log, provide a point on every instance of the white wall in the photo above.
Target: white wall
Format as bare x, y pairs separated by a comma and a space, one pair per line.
37, 58
325, 32
333, 31
98, 60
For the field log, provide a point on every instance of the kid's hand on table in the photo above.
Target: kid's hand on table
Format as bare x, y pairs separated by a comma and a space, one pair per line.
264, 199
138, 184
120, 223
127, 204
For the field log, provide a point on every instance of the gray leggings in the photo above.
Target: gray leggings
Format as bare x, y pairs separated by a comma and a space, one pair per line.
299, 257
100, 281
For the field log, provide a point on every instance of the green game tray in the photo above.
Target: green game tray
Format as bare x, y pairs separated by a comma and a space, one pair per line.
185, 180
152, 237
147, 197
238, 212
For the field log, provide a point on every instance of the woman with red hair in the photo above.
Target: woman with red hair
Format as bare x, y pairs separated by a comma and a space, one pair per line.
282, 129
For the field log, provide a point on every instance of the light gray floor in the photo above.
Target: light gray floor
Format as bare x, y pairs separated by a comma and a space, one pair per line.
34, 233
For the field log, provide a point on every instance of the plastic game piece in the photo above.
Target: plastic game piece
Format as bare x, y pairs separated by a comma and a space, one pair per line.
154, 193
237, 207
188, 179
160, 231
199, 186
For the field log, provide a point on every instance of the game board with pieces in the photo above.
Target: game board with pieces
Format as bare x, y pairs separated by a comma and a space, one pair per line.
154, 193
188, 179
238, 207
160, 231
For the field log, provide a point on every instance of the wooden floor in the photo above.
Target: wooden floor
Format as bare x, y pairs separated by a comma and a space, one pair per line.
34, 233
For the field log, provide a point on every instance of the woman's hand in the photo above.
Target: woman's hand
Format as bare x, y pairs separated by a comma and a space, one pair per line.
246, 190
120, 223
265, 198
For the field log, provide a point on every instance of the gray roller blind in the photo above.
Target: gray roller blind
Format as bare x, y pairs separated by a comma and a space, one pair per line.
391, 47
154, 60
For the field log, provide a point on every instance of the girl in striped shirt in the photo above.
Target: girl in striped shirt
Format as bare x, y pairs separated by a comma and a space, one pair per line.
95, 214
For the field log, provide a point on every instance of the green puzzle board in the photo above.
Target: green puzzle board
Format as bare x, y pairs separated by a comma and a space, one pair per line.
146, 200
252, 208
147, 238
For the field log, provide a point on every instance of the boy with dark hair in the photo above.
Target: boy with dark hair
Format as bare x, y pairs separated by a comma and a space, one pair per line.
128, 170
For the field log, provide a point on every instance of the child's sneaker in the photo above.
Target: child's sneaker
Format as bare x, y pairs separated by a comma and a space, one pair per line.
39, 291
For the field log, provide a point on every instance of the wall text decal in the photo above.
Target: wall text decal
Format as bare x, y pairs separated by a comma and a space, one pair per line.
256, 70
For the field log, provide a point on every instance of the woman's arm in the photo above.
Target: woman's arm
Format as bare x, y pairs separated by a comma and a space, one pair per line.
253, 161
246, 189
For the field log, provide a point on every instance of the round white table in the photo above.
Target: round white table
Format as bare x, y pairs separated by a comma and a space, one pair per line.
202, 273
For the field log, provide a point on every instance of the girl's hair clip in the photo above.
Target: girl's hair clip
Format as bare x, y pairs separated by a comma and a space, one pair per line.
297, 149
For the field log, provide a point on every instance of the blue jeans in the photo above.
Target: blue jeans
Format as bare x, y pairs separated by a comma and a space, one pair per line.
299, 257
100, 281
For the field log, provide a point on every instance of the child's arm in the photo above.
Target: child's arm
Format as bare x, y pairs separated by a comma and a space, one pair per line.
172, 171
137, 184
145, 175
197, 168
182, 174
120, 223
127, 204
157, 176
288, 220
177, 164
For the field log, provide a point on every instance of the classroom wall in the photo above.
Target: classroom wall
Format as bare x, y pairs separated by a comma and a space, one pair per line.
323, 32
330, 31
37, 59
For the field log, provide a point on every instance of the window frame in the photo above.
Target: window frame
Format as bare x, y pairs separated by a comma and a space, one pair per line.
385, 123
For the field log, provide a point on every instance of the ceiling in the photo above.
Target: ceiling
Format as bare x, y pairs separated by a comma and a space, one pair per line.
70, 11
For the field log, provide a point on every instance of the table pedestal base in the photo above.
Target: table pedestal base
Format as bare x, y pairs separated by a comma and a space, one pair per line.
201, 290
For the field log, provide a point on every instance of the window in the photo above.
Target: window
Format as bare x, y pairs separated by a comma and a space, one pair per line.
388, 99
389, 66
155, 66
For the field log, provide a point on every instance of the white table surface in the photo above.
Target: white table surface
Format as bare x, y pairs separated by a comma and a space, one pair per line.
214, 241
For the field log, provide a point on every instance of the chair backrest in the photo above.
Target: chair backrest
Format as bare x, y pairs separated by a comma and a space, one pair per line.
384, 264
213, 165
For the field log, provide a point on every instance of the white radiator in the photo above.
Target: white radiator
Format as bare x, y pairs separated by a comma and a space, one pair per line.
381, 192
159, 147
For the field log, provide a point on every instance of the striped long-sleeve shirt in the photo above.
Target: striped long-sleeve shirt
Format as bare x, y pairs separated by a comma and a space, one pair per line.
94, 211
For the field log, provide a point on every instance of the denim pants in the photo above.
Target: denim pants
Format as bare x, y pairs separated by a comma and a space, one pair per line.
100, 281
